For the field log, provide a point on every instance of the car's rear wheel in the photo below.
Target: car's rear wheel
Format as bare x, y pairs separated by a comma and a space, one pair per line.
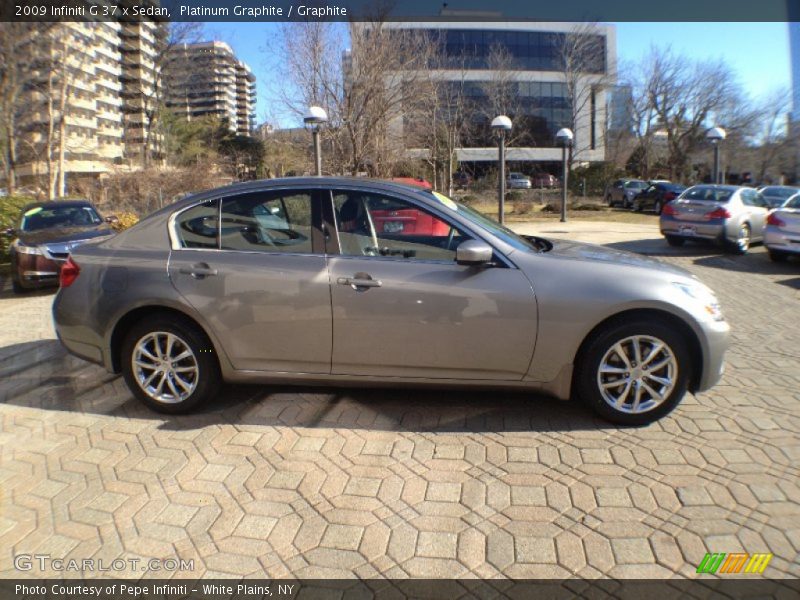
778, 256
634, 373
610, 201
742, 242
674, 240
170, 365
657, 207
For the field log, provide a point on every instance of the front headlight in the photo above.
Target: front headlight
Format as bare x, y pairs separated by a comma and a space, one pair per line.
703, 296
23, 249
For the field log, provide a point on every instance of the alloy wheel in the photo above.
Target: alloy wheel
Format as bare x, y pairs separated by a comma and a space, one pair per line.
743, 238
637, 374
165, 367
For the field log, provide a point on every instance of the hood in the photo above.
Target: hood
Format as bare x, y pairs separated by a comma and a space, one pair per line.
592, 252
60, 235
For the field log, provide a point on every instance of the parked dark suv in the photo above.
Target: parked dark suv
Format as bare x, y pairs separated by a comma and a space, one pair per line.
45, 235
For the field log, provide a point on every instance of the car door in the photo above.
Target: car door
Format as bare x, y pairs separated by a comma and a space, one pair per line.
756, 208
402, 307
253, 265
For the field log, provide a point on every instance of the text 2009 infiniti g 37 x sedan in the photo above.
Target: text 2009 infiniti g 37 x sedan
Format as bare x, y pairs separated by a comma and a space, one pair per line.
294, 280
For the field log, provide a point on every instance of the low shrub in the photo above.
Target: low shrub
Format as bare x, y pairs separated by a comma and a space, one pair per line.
551, 208
10, 207
125, 220
587, 206
523, 207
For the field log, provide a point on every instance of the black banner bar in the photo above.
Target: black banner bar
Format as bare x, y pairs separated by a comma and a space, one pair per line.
733, 587
402, 10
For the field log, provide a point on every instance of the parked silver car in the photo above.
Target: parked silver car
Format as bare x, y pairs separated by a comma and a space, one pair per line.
777, 195
782, 233
356, 281
730, 215
518, 181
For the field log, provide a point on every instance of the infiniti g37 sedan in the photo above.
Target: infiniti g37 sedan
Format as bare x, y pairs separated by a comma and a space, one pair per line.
290, 280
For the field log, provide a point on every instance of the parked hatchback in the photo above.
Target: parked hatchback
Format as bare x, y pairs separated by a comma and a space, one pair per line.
44, 236
777, 195
782, 233
729, 215
204, 291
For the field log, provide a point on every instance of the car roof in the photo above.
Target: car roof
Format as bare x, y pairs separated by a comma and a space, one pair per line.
295, 182
55, 203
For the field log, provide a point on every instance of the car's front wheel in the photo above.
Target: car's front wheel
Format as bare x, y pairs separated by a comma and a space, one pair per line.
610, 201
657, 207
169, 364
634, 373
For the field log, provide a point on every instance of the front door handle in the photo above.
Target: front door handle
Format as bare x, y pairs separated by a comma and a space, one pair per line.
199, 271
360, 281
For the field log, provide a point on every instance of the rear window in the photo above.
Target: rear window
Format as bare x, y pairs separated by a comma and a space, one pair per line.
707, 194
793, 202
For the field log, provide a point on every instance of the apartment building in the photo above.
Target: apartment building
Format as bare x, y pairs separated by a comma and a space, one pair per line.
206, 79
546, 95
87, 90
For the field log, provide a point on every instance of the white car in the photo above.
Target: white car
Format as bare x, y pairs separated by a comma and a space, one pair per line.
782, 233
518, 181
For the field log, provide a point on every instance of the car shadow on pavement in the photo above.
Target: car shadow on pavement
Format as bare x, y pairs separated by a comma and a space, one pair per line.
41, 375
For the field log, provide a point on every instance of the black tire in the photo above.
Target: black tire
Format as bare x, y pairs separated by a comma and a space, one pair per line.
610, 201
778, 256
207, 380
742, 242
16, 284
676, 241
586, 381
657, 207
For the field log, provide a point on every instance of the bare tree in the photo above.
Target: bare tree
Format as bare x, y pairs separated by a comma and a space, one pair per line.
367, 90
771, 135
169, 36
582, 57
17, 74
683, 95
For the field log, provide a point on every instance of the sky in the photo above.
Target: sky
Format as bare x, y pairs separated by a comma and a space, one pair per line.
757, 52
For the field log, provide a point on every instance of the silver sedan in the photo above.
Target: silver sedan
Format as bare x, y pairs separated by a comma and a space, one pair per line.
351, 281
782, 233
730, 215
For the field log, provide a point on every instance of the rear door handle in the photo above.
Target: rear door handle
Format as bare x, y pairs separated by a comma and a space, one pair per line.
199, 271
360, 281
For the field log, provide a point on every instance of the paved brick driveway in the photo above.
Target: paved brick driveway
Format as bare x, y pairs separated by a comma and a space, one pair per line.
318, 483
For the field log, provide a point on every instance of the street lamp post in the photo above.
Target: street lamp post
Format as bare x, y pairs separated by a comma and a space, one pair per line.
314, 119
715, 135
564, 138
500, 125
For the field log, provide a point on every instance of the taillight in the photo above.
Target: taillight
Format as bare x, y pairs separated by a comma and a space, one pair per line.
670, 196
720, 213
772, 219
69, 273
669, 210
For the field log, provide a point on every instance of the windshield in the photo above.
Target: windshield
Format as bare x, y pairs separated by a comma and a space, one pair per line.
637, 185
779, 192
504, 233
73, 215
707, 194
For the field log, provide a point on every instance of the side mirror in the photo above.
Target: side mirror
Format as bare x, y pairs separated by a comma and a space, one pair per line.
112, 219
10, 232
474, 252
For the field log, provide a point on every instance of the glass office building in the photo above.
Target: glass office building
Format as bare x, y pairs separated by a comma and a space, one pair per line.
533, 56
